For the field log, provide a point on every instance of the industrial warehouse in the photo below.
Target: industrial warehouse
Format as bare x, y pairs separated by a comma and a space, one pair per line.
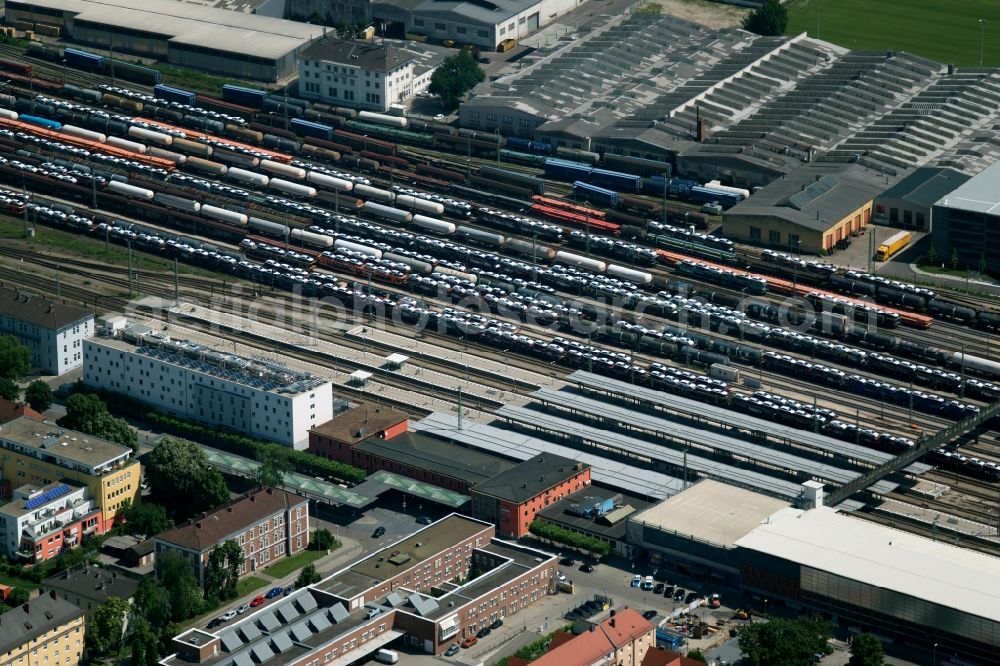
205, 38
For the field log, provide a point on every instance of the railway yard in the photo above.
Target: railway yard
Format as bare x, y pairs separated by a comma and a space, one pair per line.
583, 303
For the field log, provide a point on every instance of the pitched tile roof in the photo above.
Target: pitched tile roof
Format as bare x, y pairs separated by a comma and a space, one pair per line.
12, 410
626, 626
202, 534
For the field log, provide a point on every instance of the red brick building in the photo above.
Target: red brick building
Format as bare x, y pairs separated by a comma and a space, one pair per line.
513, 498
268, 524
337, 438
12, 410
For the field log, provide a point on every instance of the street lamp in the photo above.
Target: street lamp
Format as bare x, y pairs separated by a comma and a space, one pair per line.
935, 655
982, 37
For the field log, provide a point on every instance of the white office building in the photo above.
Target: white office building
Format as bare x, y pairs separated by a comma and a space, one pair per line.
359, 75
40, 521
262, 399
53, 331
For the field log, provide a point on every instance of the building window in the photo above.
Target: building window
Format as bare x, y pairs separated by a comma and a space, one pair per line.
894, 215
774, 237
755, 233
439, 26
461, 29
483, 33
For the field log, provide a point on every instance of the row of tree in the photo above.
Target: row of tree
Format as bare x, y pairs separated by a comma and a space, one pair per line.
583, 542
782, 642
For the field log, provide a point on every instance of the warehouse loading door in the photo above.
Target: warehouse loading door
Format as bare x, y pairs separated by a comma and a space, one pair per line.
533, 22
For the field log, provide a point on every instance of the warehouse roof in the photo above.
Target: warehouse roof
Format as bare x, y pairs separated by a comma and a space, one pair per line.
710, 511
981, 194
366, 55
39, 310
444, 458
570, 511
530, 478
926, 185
488, 12
815, 197
883, 557
184, 23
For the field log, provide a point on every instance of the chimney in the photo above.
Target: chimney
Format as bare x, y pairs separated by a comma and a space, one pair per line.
198, 525
612, 621
612, 613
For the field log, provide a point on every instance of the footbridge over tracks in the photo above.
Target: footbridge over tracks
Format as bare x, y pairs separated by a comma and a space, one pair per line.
924, 446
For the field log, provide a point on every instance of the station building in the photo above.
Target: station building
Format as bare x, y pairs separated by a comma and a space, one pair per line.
869, 577
53, 331
513, 498
263, 399
967, 222
269, 525
228, 43
428, 591
810, 210
40, 454
337, 438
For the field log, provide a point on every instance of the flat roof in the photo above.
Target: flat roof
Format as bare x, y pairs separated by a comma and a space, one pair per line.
359, 423
980, 194
197, 25
611, 526
381, 481
710, 511
366, 55
70, 445
416, 449
530, 478
882, 557
39, 310
487, 12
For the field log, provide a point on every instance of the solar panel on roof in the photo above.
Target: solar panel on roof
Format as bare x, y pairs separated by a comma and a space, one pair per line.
262, 652
47, 496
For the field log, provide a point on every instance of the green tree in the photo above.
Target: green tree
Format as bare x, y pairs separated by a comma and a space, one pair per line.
954, 259
322, 539
696, 655
781, 642
175, 575
770, 19
454, 77
867, 650
274, 465
138, 652
181, 479
105, 629
87, 413
9, 390
982, 263
932, 256
147, 518
18, 596
223, 570
38, 395
152, 604
307, 576
15, 358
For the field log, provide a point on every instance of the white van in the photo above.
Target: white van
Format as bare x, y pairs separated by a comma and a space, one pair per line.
386, 656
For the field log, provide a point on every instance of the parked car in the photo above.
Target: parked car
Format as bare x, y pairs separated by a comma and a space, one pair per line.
228, 615
560, 576
679, 594
469, 641
274, 592
567, 562
659, 588
669, 592
587, 568
647, 583
483, 633
497, 623
649, 615
289, 590
379, 531
636, 580
257, 601
452, 651
424, 520
243, 609
691, 597
215, 623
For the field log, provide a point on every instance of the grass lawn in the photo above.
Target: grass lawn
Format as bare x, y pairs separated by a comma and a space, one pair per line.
15, 581
248, 585
948, 32
294, 563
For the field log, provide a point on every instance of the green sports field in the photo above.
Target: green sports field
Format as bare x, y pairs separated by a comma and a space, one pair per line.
947, 31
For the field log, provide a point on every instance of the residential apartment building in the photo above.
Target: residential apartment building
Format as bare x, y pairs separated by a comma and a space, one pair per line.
46, 631
87, 586
53, 331
39, 454
269, 525
41, 521
513, 498
263, 399
357, 74
432, 588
